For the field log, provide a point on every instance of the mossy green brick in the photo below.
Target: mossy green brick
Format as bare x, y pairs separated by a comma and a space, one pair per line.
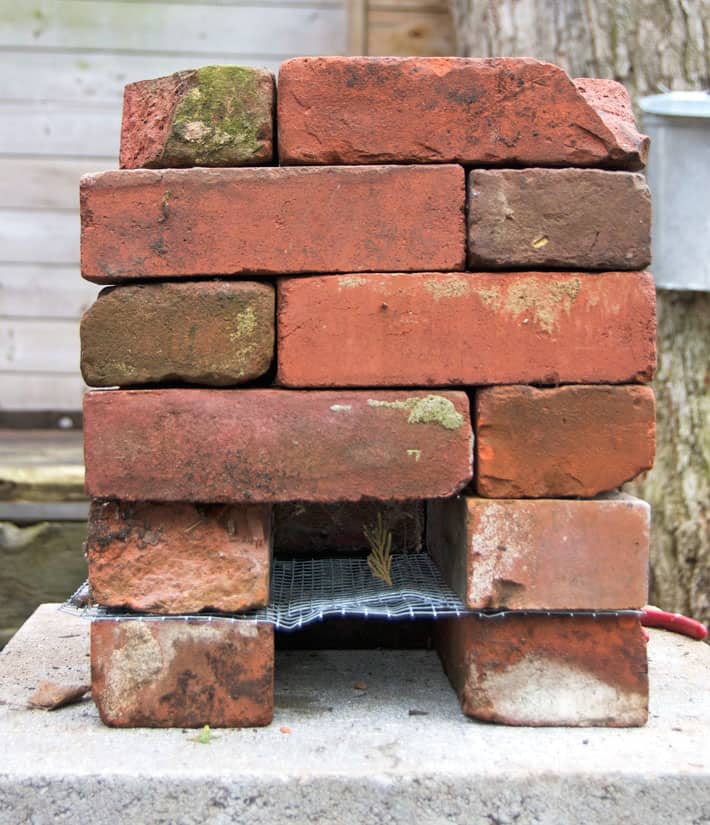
212, 116
212, 333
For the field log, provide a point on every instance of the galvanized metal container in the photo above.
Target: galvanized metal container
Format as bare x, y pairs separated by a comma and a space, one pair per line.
678, 124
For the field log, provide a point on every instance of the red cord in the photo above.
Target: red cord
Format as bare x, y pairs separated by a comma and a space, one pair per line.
653, 617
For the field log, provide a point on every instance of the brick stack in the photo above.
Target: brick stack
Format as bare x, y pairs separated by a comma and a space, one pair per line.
450, 245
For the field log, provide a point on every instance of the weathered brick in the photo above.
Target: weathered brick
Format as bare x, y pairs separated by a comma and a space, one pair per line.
562, 441
528, 669
441, 329
543, 554
143, 223
510, 111
275, 445
303, 528
179, 558
575, 218
212, 116
177, 673
207, 332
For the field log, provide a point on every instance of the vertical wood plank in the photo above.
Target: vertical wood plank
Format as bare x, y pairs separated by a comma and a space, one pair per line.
357, 27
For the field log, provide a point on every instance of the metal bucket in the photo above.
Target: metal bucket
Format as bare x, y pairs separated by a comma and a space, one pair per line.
678, 124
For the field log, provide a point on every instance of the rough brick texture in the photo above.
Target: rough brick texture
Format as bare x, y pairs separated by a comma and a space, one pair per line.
527, 669
573, 218
511, 111
213, 333
562, 441
275, 445
543, 555
303, 528
143, 223
438, 329
175, 673
179, 558
213, 116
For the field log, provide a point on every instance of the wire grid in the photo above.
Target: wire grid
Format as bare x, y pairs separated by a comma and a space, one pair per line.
303, 591
308, 590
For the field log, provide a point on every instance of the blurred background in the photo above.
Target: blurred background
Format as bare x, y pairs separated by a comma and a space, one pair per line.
64, 66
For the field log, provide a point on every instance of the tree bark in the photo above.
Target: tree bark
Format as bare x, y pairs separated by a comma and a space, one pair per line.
678, 487
648, 45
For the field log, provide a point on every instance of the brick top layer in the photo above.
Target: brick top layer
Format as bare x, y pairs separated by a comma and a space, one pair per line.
433, 109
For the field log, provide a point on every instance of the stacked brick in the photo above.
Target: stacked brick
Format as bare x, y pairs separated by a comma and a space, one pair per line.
436, 246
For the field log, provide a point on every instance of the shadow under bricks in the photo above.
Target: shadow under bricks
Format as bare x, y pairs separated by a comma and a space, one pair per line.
359, 634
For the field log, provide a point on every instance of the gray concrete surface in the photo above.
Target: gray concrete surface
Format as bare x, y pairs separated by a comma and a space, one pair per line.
352, 756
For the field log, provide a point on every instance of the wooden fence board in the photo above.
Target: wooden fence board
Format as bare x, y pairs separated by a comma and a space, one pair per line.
41, 291
40, 345
45, 182
154, 27
96, 78
39, 236
57, 129
48, 391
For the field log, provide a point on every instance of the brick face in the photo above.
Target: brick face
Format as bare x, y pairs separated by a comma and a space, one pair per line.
210, 333
510, 112
139, 224
543, 554
526, 669
275, 445
572, 218
562, 441
175, 673
439, 329
179, 558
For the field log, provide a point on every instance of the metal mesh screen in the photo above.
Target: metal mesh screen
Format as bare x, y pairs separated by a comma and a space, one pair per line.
308, 590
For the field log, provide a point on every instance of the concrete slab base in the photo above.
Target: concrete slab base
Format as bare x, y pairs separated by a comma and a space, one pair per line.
394, 749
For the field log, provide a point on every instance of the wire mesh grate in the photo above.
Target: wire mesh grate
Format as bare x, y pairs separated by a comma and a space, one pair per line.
308, 590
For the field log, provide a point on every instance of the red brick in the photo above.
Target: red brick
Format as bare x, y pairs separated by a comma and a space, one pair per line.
176, 673
144, 223
574, 218
440, 329
613, 104
527, 669
510, 111
543, 555
562, 441
179, 558
212, 116
275, 445
206, 332
304, 528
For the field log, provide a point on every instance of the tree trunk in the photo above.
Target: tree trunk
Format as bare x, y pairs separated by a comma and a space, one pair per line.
678, 487
649, 45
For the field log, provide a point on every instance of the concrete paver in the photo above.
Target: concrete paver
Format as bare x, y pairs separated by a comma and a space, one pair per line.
397, 751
